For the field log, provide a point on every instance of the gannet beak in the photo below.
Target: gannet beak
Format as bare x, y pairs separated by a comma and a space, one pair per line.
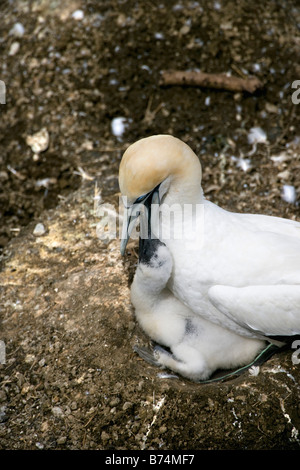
130, 217
132, 213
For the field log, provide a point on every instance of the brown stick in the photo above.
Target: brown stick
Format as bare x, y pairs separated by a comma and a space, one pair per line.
210, 80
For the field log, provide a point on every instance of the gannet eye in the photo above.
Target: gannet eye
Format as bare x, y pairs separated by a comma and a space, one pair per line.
141, 198
145, 196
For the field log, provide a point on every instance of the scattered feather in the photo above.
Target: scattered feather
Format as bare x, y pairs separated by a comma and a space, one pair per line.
165, 375
289, 194
78, 15
243, 163
45, 182
254, 370
256, 136
17, 30
118, 126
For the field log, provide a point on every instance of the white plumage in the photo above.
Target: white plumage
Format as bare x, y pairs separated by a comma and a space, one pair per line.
240, 272
198, 347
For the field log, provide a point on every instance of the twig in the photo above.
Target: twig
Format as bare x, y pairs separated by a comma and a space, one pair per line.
16, 173
150, 115
210, 80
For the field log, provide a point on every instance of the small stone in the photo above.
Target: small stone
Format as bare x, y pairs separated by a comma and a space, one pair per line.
114, 401
61, 440
29, 358
39, 141
45, 426
185, 30
271, 108
57, 412
127, 405
14, 48
25, 389
105, 436
39, 230
284, 175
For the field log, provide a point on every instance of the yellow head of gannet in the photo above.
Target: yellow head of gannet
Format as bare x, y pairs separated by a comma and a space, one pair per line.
163, 163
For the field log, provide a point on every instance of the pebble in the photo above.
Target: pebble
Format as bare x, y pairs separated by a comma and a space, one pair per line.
29, 358
57, 412
39, 230
45, 426
115, 401
14, 48
127, 405
105, 436
271, 108
39, 141
284, 175
61, 440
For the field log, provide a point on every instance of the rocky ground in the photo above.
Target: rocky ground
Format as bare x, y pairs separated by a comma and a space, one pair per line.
70, 379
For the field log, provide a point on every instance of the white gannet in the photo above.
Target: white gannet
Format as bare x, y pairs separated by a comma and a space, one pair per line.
238, 271
196, 347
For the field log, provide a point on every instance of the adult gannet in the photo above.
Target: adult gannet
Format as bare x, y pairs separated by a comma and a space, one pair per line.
238, 271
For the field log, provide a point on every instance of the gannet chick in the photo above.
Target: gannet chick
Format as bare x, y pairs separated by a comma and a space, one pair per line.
240, 272
197, 348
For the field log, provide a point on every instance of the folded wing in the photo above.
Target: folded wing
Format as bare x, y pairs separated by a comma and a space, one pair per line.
268, 309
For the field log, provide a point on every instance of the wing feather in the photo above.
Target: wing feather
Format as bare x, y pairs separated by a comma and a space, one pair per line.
271, 310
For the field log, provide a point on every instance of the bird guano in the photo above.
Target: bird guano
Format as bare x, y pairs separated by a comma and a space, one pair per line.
234, 277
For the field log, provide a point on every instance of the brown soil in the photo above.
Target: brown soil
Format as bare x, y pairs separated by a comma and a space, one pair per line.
71, 379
